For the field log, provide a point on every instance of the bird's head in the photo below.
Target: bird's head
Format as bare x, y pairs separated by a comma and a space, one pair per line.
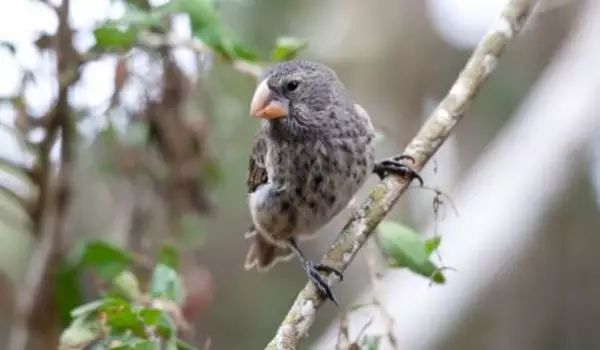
297, 93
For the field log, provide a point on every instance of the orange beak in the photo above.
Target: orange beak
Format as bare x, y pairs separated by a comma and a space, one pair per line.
267, 104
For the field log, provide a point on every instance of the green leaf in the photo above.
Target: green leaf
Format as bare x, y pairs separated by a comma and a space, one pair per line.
150, 316
203, 13
207, 26
169, 256
204, 18
165, 326
243, 52
123, 340
80, 334
122, 33
111, 37
181, 345
224, 43
88, 308
121, 347
406, 249
287, 48
146, 345
120, 316
432, 244
140, 19
68, 292
127, 285
171, 343
166, 283
107, 259
370, 342
401, 243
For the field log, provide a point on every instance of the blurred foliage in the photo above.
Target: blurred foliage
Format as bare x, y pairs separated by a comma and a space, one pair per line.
205, 25
131, 313
125, 317
370, 342
287, 48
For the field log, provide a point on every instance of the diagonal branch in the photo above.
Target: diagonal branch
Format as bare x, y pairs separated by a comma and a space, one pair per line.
436, 130
489, 191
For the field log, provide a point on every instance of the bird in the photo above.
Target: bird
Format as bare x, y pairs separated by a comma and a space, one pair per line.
312, 151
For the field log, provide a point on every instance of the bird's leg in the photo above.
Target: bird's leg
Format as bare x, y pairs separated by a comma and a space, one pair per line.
314, 272
394, 165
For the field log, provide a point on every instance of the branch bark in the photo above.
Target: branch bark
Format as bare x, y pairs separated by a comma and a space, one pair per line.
438, 127
32, 328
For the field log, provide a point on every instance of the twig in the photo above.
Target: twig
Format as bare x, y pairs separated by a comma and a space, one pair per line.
156, 41
364, 329
436, 130
50, 5
207, 344
378, 299
343, 336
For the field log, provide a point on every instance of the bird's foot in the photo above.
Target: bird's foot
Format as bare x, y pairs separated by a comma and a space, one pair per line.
394, 165
314, 275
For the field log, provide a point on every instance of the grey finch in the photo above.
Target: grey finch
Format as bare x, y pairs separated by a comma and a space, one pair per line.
312, 152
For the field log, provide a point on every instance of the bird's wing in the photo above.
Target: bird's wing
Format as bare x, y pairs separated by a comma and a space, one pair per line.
257, 172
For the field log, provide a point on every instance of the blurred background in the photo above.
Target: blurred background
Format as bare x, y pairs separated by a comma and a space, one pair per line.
161, 153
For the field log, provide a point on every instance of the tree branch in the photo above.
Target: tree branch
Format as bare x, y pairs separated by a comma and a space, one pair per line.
30, 327
438, 127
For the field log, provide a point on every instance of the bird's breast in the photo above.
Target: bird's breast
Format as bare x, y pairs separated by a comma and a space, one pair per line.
321, 176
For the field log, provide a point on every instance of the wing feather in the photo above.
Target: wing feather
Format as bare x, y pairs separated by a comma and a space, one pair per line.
257, 172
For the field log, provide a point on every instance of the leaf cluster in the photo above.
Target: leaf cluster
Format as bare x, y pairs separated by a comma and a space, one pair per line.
126, 316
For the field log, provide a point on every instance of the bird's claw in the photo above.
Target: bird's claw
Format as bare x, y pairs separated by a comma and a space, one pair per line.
394, 165
314, 274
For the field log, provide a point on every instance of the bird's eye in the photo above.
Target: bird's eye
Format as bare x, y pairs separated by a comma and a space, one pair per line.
292, 85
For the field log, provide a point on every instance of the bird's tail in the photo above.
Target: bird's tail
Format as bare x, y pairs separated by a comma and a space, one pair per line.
263, 254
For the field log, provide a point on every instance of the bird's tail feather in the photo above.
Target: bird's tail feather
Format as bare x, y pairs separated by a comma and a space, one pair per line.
263, 254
